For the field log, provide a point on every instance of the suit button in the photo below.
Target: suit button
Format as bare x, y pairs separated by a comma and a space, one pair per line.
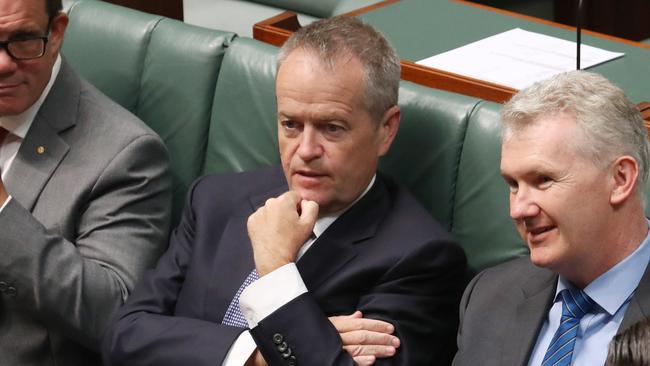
283, 347
3, 286
11, 291
278, 338
286, 354
292, 361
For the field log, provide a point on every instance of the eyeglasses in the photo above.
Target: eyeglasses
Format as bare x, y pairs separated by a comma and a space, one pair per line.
25, 49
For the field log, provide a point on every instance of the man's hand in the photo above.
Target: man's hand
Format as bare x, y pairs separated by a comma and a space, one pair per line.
256, 359
278, 229
365, 339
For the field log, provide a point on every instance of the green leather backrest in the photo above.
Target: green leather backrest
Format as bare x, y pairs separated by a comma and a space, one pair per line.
106, 45
425, 153
162, 70
482, 223
243, 132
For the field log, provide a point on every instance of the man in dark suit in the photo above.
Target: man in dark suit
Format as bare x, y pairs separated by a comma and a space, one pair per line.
281, 249
575, 156
84, 197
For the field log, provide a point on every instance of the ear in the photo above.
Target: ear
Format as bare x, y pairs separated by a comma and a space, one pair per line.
625, 171
388, 129
57, 30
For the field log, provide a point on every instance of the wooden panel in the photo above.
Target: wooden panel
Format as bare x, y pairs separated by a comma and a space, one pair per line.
167, 8
276, 30
628, 19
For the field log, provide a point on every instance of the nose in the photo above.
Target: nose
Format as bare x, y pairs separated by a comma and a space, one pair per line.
310, 147
523, 205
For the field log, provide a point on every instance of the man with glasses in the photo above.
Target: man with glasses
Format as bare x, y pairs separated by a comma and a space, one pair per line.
84, 196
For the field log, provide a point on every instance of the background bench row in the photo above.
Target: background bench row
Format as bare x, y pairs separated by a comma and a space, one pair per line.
210, 96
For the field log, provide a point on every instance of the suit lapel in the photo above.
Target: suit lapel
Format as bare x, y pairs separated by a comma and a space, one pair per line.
538, 295
639, 304
43, 149
337, 245
233, 262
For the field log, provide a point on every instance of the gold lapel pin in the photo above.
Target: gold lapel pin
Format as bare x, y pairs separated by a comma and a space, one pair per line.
40, 150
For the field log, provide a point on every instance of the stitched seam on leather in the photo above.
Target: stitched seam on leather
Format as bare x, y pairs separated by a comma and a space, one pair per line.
456, 172
145, 57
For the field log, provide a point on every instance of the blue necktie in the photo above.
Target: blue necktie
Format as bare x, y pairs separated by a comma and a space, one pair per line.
575, 304
234, 316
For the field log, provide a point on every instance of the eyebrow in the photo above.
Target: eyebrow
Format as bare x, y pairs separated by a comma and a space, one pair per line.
319, 119
25, 33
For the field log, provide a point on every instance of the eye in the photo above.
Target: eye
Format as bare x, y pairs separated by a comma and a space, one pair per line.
513, 186
290, 128
544, 181
289, 124
333, 130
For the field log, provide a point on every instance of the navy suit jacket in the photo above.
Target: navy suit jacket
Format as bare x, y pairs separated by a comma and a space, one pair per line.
385, 256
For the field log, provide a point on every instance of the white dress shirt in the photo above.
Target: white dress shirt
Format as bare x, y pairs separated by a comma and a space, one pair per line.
261, 298
18, 126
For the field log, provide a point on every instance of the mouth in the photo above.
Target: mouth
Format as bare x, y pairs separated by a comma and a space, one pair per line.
537, 234
8, 86
308, 178
309, 173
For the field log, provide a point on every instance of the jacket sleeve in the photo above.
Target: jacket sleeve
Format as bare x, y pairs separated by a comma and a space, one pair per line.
147, 332
75, 285
418, 295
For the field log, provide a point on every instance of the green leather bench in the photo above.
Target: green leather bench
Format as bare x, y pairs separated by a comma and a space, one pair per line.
210, 95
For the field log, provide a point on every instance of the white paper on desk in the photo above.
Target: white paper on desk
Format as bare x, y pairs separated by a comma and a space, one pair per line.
517, 58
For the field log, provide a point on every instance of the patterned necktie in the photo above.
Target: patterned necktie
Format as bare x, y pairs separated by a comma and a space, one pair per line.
234, 316
575, 304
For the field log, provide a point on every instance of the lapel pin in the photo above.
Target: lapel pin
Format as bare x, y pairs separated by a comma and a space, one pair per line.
40, 150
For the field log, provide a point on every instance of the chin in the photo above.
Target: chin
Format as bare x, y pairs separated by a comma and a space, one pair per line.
542, 258
311, 195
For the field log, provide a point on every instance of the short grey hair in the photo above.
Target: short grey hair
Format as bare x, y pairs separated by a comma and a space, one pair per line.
611, 125
334, 39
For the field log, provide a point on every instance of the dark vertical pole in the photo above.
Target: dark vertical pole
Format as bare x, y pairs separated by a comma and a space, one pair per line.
579, 35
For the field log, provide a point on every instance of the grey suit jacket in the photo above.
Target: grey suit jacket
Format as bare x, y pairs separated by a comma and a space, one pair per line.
90, 212
504, 307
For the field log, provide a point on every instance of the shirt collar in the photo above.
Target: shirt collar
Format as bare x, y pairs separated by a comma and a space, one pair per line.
613, 288
324, 222
19, 124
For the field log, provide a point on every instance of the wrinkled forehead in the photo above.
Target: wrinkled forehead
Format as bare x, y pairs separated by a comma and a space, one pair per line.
19, 15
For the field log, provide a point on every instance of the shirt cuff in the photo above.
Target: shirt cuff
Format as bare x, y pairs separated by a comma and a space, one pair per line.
5, 203
240, 351
270, 292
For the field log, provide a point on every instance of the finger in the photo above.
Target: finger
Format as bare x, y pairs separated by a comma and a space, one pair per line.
357, 314
364, 360
364, 337
375, 351
292, 197
339, 319
348, 324
308, 213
